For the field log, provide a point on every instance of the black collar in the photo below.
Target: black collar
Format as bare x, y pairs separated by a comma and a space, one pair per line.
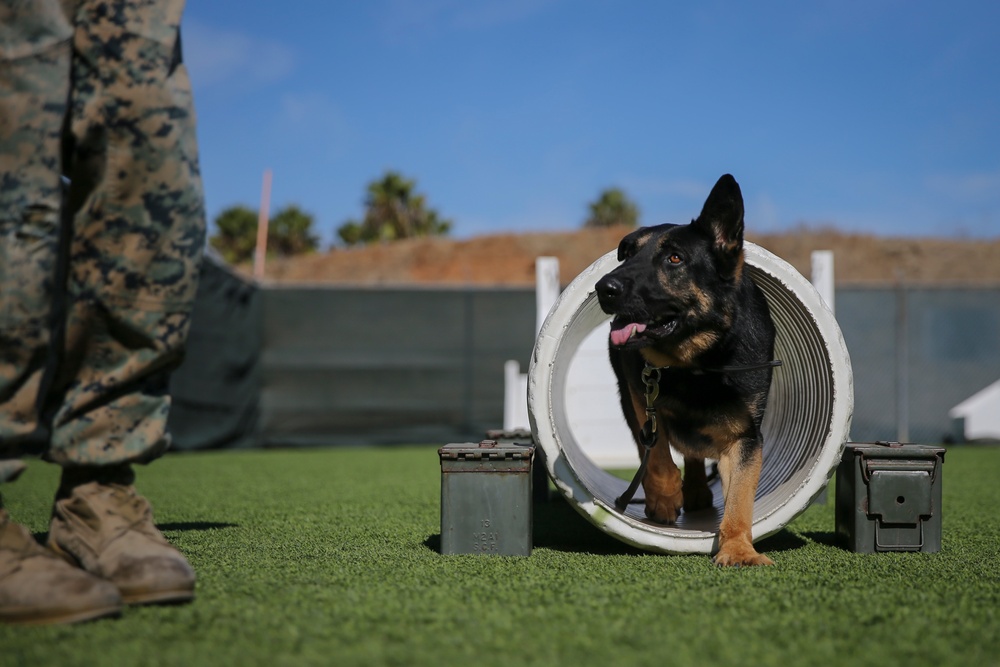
719, 370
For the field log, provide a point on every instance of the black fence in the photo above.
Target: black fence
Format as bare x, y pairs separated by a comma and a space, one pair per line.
917, 353
281, 366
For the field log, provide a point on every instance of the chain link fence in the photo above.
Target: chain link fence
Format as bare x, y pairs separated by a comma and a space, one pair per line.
278, 366
917, 352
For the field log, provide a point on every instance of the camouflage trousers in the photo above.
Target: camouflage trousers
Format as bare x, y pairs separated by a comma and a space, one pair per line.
102, 227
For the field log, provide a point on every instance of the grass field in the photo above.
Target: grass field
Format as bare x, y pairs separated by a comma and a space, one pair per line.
330, 557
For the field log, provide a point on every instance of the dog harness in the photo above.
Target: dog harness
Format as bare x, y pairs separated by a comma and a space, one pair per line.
647, 434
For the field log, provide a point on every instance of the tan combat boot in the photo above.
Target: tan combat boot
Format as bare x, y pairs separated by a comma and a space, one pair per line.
107, 528
39, 588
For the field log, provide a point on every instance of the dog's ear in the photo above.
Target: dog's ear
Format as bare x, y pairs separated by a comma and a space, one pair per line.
630, 245
634, 241
721, 220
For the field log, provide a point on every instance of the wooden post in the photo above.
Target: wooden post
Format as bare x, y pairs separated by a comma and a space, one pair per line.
260, 252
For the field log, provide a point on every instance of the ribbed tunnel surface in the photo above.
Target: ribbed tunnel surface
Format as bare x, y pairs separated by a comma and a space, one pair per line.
805, 426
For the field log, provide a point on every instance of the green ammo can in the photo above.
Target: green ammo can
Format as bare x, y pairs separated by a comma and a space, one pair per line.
889, 497
486, 503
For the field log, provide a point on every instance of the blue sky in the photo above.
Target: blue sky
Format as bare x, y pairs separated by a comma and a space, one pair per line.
877, 116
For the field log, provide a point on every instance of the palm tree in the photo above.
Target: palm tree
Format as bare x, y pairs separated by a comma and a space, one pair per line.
289, 233
393, 210
613, 207
236, 234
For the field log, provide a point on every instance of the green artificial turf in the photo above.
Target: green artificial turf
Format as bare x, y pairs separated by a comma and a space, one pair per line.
330, 557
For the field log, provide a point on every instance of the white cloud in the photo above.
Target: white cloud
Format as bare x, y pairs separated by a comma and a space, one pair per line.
762, 214
487, 13
535, 216
978, 186
314, 122
406, 21
654, 187
307, 107
216, 56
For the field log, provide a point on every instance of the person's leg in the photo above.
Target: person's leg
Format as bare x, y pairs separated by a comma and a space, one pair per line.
34, 88
138, 237
36, 587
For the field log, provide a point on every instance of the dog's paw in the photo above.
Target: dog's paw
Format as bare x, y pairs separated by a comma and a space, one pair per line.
664, 509
739, 557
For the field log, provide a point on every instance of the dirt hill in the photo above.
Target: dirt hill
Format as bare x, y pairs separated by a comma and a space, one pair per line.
509, 259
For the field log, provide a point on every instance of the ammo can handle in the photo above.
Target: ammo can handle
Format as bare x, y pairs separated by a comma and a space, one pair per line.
869, 466
899, 547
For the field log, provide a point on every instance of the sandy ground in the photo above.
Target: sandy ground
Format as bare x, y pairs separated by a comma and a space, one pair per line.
509, 259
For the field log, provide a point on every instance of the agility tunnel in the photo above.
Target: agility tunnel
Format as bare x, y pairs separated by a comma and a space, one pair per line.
805, 427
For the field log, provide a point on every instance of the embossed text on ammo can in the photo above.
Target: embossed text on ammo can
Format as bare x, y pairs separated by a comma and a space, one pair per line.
486, 498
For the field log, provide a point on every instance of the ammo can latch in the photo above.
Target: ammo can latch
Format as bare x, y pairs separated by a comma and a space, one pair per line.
488, 450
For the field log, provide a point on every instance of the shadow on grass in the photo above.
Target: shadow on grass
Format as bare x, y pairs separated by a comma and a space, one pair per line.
827, 539
195, 525
783, 540
43, 538
559, 527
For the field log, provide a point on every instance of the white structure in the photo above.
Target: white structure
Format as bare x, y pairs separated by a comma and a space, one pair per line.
822, 276
592, 392
805, 428
515, 383
980, 414
593, 407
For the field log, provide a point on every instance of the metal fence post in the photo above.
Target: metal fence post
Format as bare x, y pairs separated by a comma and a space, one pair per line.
902, 365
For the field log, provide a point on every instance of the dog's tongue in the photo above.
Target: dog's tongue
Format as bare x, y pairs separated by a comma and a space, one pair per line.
622, 334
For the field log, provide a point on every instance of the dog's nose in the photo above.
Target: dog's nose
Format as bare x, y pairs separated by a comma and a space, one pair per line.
609, 291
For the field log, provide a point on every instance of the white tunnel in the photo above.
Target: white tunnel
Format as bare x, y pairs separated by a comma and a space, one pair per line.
805, 427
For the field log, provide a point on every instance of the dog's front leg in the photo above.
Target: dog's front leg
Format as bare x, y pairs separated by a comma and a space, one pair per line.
739, 468
662, 481
662, 484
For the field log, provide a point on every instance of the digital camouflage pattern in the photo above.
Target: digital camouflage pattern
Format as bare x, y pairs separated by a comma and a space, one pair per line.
94, 90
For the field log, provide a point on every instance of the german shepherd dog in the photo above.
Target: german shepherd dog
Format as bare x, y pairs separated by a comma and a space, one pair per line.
682, 302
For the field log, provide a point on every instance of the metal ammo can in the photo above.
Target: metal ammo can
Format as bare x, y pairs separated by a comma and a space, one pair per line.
486, 503
889, 497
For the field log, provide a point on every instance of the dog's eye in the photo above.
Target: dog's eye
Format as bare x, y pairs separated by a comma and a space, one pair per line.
674, 259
